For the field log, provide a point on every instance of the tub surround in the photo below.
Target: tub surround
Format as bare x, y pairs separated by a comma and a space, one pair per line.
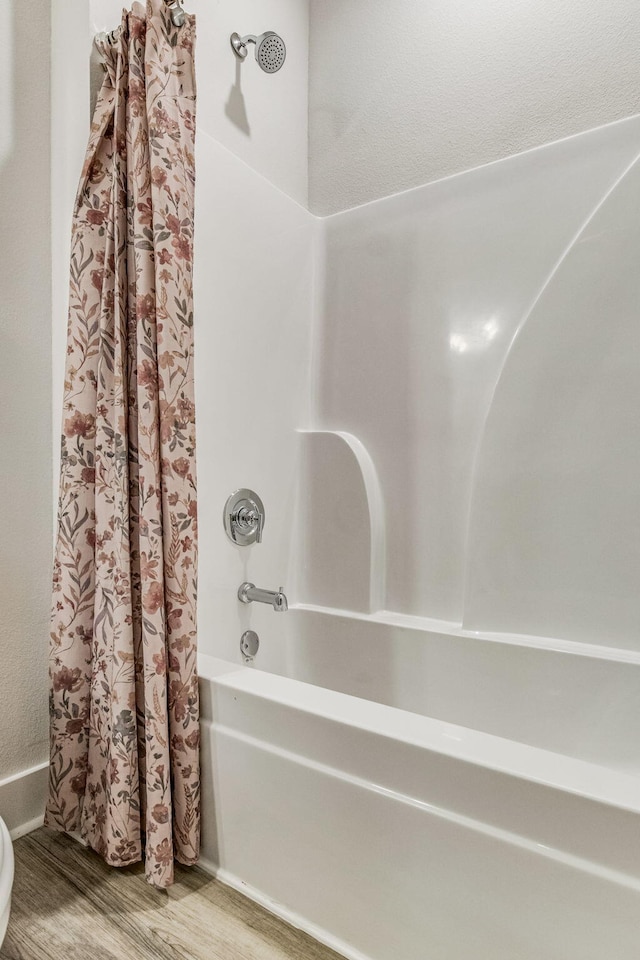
436, 752
408, 331
478, 336
568, 698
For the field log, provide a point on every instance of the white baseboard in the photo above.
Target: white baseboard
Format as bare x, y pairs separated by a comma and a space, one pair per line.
279, 910
26, 828
22, 800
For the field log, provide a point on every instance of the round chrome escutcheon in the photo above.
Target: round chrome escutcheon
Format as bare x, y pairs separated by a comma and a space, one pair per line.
249, 643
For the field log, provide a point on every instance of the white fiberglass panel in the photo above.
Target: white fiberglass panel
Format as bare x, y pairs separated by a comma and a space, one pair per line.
554, 541
572, 699
253, 272
423, 294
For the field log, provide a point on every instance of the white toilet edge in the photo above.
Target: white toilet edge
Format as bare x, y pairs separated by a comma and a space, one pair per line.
6, 877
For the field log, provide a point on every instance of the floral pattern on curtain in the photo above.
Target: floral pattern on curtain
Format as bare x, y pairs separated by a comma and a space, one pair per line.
124, 767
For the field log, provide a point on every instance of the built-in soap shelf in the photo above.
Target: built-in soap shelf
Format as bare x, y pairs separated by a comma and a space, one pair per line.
340, 524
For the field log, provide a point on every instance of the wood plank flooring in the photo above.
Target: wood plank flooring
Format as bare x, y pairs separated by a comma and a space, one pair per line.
68, 905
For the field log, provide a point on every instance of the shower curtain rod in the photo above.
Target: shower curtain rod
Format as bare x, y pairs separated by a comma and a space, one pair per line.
177, 18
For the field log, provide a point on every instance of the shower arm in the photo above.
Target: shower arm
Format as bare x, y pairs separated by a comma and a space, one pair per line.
239, 44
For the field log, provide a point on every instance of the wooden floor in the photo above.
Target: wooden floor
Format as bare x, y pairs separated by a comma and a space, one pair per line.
68, 905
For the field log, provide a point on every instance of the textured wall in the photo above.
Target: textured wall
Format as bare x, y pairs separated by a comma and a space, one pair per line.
403, 92
25, 376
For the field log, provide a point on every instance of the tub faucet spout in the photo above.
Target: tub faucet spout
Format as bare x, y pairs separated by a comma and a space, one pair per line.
249, 593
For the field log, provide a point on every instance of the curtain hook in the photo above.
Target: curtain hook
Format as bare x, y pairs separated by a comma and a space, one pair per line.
178, 15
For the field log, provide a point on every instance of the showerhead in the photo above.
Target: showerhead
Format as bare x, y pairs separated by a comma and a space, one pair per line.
270, 49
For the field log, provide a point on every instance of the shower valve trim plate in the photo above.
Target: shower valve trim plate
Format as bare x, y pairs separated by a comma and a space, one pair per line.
244, 517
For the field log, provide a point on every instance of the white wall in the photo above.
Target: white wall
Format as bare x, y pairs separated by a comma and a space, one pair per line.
403, 92
25, 376
70, 47
261, 118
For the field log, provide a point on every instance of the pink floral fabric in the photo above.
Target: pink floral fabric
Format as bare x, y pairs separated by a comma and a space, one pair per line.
124, 691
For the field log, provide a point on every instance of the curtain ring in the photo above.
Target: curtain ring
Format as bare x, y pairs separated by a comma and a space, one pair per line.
178, 16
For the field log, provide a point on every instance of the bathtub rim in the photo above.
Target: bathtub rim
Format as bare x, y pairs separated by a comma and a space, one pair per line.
590, 781
454, 628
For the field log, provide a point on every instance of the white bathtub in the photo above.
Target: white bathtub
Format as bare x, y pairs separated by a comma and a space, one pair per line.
491, 812
6, 878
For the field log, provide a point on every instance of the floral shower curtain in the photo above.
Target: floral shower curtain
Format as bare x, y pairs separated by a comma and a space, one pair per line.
124, 695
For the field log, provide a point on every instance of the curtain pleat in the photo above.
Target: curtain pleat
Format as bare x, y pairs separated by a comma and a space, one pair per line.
124, 767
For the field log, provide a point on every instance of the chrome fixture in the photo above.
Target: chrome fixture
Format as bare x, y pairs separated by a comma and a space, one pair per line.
103, 37
249, 643
178, 16
270, 49
244, 517
249, 593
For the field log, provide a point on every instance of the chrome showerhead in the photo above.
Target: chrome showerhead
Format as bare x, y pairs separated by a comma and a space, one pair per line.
270, 49
270, 52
